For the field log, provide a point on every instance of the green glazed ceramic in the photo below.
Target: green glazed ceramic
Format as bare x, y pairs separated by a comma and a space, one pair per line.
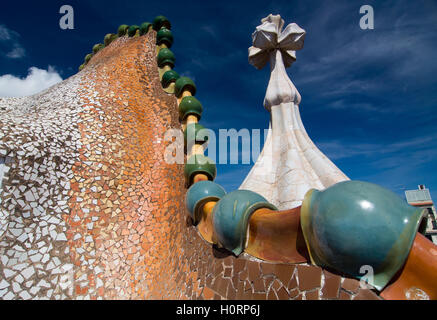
192, 135
98, 47
201, 193
145, 27
169, 77
109, 38
352, 225
184, 83
199, 163
132, 30
190, 106
122, 30
161, 21
231, 218
166, 57
88, 57
164, 36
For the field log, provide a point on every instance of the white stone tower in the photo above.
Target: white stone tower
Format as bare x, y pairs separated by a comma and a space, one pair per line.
290, 163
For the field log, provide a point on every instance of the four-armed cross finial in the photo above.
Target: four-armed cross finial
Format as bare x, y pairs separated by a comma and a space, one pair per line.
269, 37
279, 46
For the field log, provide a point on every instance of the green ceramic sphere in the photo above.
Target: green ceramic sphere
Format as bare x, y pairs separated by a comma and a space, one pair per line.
109, 38
231, 217
88, 57
132, 30
184, 83
191, 133
201, 193
199, 163
353, 224
169, 77
122, 30
164, 36
144, 28
161, 21
98, 47
190, 106
166, 57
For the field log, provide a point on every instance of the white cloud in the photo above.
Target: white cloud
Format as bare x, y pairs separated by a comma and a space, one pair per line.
5, 34
10, 39
36, 81
16, 53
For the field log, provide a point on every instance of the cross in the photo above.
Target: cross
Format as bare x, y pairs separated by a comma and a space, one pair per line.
270, 37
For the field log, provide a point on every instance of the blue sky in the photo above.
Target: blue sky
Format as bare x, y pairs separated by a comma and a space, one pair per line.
369, 97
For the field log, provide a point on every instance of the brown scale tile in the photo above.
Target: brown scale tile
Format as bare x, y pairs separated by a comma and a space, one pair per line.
292, 284
351, 285
344, 295
313, 295
208, 294
309, 277
283, 294
268, 281
276, 285
268, 268
235, 281
253, 269
239, 265
243, 275
258, 285
227, 272
232, 294
293, 293
284, 272
332, 285
259, 296
299, 297
221, 286
239, 289
272, 295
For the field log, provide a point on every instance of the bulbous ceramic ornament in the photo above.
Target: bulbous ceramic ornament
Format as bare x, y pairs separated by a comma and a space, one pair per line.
169, 77
201, 193
199, 164
231, 218
354, 225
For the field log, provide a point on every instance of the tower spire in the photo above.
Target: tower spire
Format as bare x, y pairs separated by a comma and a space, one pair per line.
290, 163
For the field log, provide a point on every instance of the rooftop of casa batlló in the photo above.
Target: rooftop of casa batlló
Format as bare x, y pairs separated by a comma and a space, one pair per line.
91, 210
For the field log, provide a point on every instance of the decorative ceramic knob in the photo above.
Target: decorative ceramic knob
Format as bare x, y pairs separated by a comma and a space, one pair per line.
132, 30
201, 193
122, 30
169, 77
184, 84
109, 38
145, 27
190, 106
161, 21
164, 36
355, 224
231, 218
166, 57
199, 164
195, 132
98, 47
88, 57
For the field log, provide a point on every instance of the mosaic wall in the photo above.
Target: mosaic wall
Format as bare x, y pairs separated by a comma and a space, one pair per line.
90, 210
